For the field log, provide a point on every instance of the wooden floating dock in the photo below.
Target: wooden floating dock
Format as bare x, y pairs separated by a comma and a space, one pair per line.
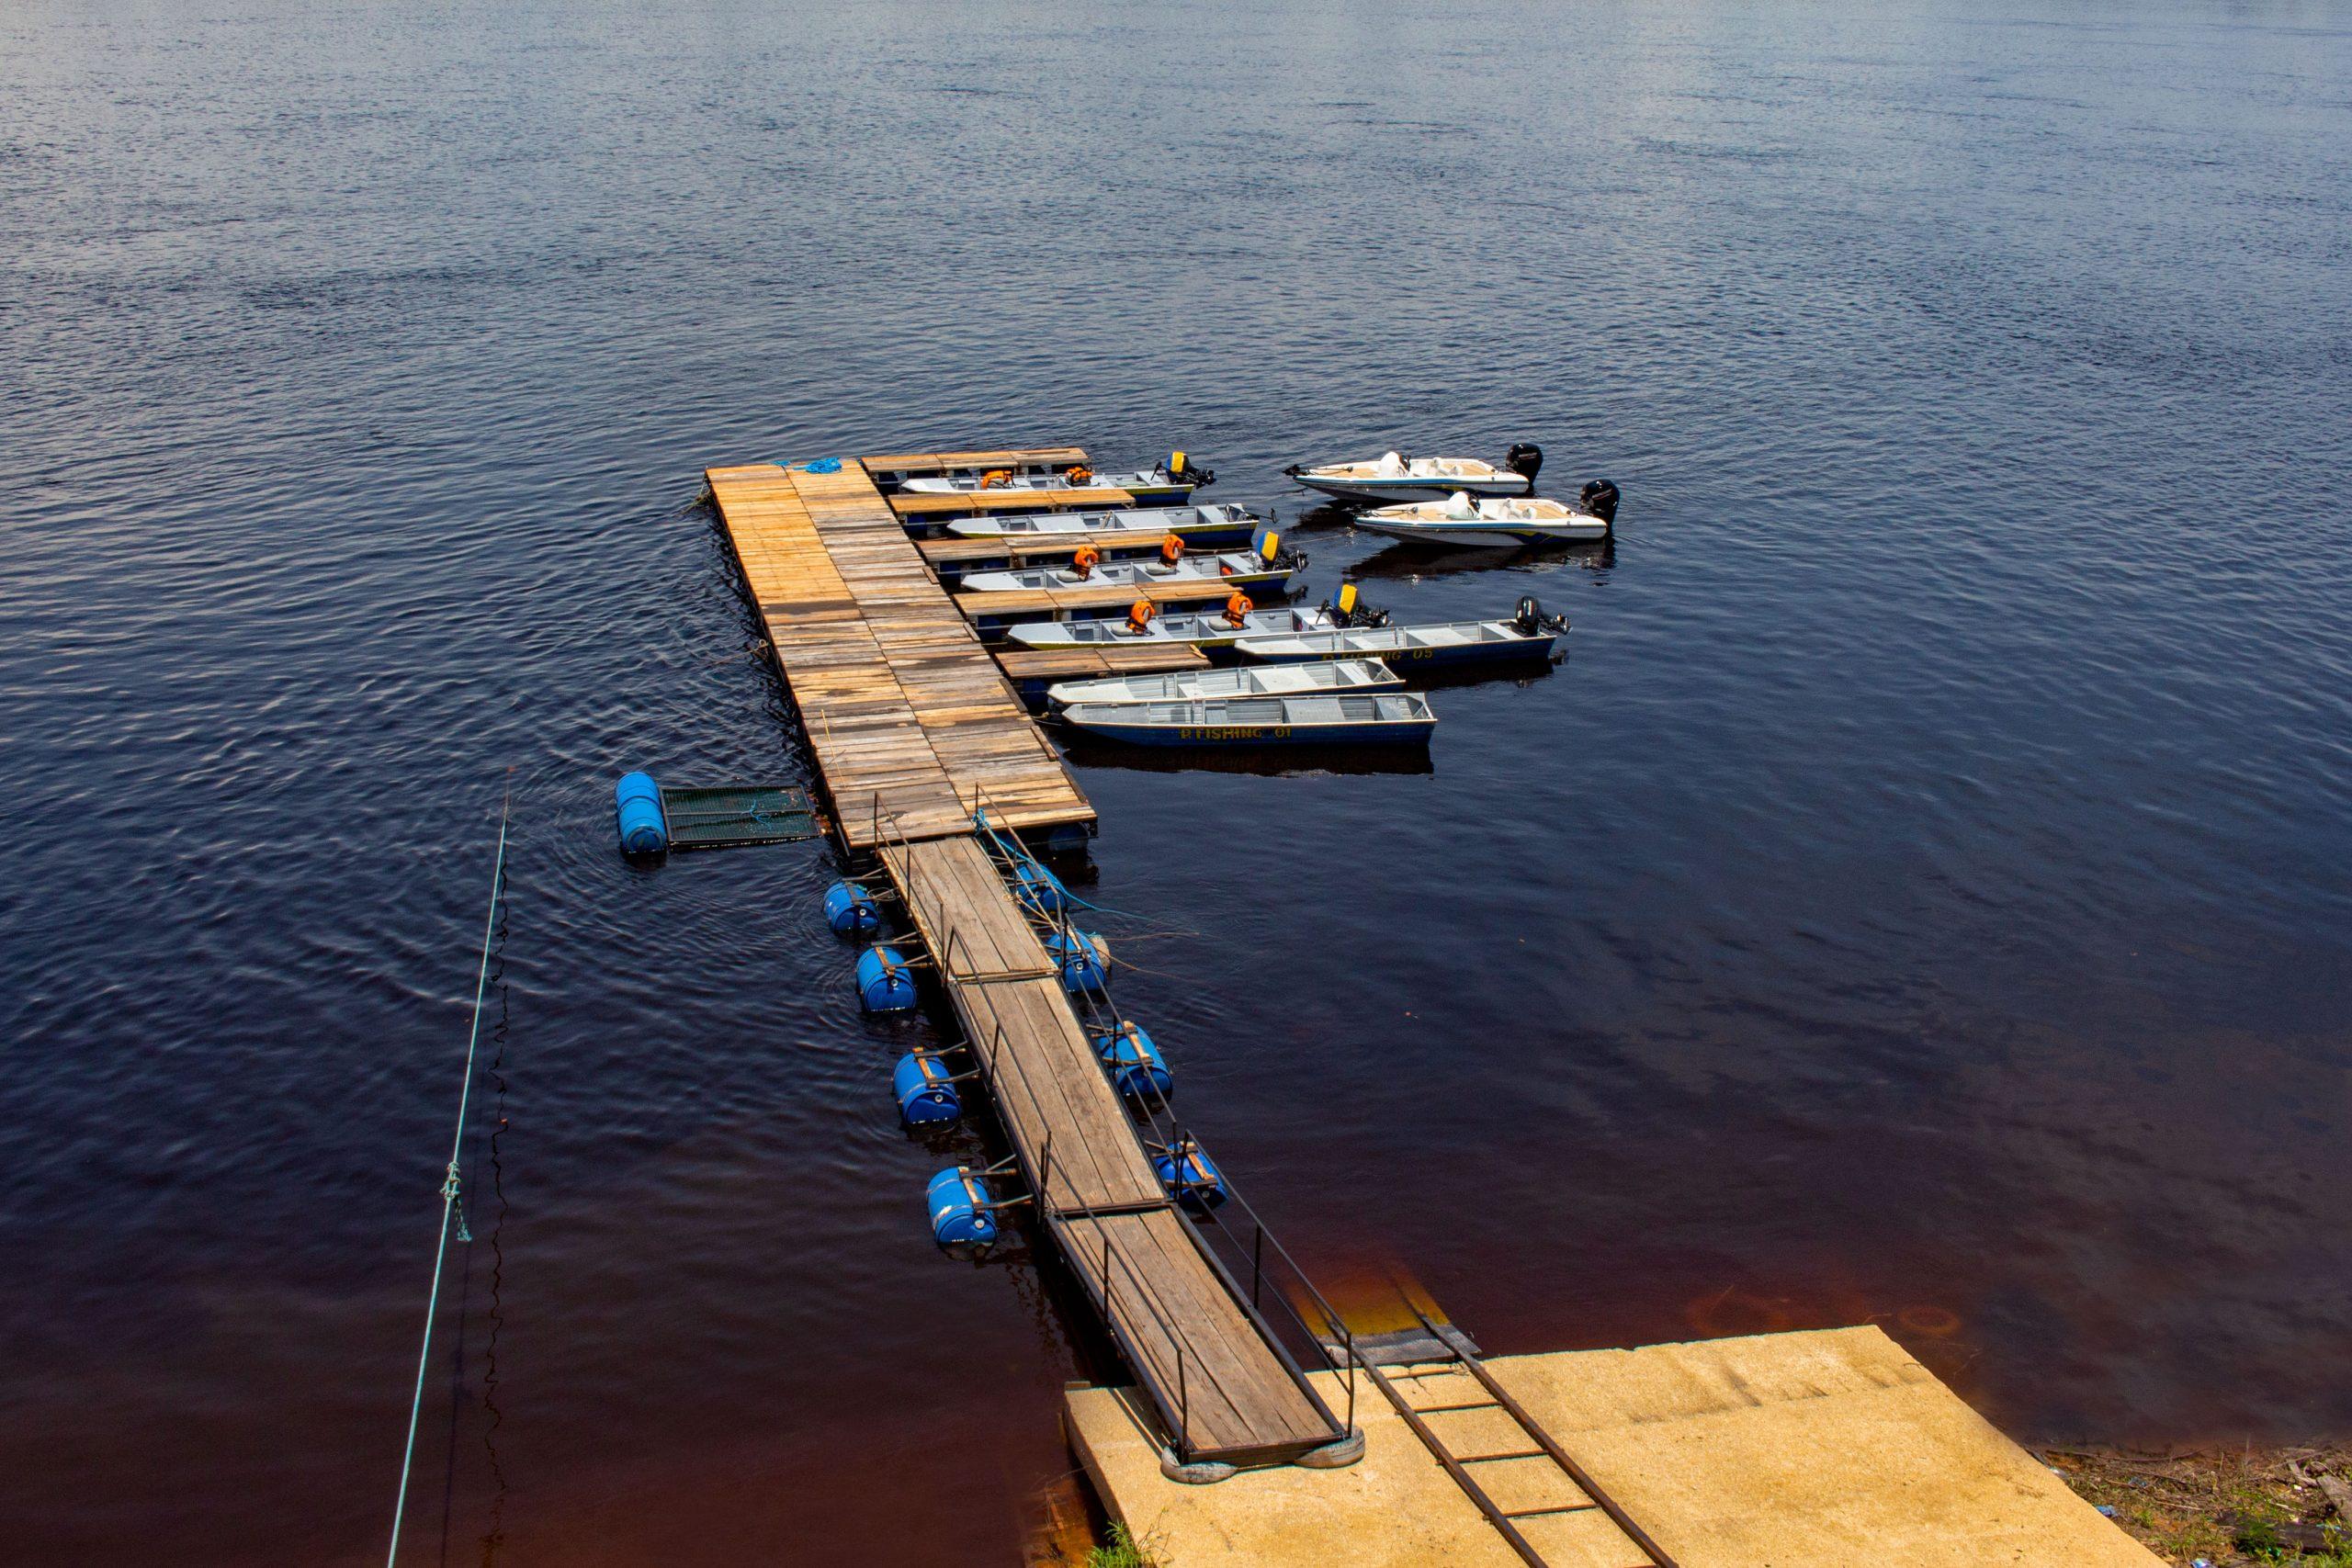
914, 728
911, 722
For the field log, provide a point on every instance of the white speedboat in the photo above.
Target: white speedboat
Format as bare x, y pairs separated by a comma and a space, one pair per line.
1493, 523
1164, 484
1393, 477
1201, 685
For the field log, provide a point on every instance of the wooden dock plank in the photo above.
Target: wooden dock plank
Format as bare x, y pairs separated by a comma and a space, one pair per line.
1173, 1313
1087, 663
907, 716
1054, 1097
956, 897
895, 467
913, 726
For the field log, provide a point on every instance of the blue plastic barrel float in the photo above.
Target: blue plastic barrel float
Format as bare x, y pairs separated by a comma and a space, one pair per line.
1040, 888
851, 910
636, 801
959, 1212
884, 983
926, 1093
1083, 957
1190, 1176
1136, 1067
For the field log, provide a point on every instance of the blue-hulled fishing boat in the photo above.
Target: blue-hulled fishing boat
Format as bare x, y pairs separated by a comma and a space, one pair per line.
1390, 718
1526, 637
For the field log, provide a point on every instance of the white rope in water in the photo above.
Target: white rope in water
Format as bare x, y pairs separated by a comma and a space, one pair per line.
449, 1182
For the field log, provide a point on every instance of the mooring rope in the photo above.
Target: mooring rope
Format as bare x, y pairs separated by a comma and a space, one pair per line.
450, 1181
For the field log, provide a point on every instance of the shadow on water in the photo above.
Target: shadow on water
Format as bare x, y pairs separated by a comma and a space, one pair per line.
1407, 561
1262, 761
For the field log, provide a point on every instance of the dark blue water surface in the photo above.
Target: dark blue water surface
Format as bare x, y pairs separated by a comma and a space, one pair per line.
1918, 898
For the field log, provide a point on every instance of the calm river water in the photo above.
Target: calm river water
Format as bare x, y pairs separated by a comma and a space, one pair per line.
1918, 898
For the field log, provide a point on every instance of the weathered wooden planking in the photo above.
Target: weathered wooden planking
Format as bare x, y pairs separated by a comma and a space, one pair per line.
1054, 1097
975, 503
971, 926
911, 724
1085, 663
1172, 1312
893, 468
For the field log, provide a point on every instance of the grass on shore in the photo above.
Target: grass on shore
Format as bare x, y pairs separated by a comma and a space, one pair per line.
2228, 1508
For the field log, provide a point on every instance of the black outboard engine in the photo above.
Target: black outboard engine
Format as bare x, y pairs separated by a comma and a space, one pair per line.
1347, 610
1184, 471
1598, 499
1532, 619
1526, 460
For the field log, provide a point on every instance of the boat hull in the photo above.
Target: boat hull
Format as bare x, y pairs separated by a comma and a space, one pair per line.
1212, 525
1385, 492
1487, 535
1142, 491
1403, 657
1114, 575
1384, 732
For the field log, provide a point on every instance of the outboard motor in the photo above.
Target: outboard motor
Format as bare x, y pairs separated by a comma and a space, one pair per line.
1184, 471
1599, 499
1526, 460
1347, 610
1530, 619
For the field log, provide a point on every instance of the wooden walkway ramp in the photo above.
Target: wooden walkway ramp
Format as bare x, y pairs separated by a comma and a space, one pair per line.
907, 714
1225, 1390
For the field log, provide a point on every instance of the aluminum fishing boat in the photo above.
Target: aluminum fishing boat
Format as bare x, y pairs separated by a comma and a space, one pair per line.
1490, 524
1526, 637
1235, 569
1199, 631
1388, 718
1164, 483
1219, 630
1194, 524
1393, 477
1342, 676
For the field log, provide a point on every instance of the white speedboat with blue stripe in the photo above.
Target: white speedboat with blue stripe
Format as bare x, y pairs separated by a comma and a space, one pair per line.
1339, 677
1393, 477
1387, 718
1491, 524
